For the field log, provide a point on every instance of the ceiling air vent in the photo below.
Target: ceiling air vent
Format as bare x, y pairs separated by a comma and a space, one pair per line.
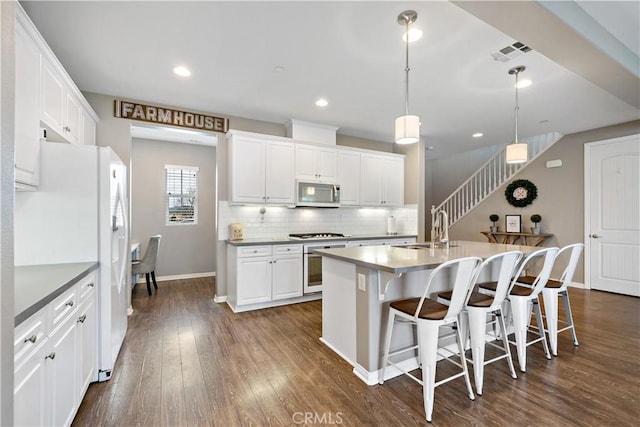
507, 53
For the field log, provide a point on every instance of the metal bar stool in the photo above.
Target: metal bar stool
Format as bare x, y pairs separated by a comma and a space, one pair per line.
477, 308
429, 316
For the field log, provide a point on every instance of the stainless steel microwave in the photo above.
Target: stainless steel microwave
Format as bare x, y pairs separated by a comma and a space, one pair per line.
315, 194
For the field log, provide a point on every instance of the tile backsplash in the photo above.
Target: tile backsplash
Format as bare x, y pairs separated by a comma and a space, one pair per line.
279, 221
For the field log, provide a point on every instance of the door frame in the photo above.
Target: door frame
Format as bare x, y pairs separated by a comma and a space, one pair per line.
587, 200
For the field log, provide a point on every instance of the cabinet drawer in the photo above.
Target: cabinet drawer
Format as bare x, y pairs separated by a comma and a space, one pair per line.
30, 334
247, 251
287, 249
62, 306
87, 286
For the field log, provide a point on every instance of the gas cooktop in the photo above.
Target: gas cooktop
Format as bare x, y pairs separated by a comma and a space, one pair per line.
304, 236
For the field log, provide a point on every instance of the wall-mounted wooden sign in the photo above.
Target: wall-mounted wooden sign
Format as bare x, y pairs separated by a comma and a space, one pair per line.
168, 116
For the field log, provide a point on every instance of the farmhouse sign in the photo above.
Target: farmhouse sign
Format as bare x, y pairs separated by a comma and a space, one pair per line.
169, 116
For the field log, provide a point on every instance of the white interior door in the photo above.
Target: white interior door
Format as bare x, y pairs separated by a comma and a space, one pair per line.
612, 209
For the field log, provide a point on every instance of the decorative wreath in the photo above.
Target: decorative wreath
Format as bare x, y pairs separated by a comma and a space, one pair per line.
521, 193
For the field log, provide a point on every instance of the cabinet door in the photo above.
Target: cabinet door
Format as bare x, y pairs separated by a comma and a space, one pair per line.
72, 126
280, 188
287, 277
254, 280
247, 169
27, 112
349, 177
393, 190
305, 161
371, 180
327, 161
53, 98
86, 319
62, 373
30, 396
88, 129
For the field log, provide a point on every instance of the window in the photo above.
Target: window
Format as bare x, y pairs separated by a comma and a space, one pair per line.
182, 194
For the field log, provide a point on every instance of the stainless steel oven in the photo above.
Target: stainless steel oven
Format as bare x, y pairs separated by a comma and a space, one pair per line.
312, 269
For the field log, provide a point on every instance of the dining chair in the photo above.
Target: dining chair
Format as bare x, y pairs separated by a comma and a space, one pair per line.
558, 288
147, 264
479, 306
429, 315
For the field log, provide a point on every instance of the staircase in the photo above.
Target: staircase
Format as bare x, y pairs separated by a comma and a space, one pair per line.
490, 177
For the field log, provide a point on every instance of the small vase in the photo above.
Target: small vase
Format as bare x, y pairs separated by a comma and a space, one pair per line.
536, 230
494, 228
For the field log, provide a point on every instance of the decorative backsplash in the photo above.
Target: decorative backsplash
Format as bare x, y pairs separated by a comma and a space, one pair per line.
279, 221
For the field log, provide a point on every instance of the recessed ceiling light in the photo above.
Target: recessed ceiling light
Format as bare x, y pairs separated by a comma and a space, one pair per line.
182, 71
414, 34
322, 102
477, 135
524, 83
431, 147
278, 69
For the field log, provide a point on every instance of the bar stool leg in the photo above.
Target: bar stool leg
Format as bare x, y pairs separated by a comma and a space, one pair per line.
536, 309
477, 328
550, 298
428, 342
387, 343
567, 308
463, 361
505, 342
520, 313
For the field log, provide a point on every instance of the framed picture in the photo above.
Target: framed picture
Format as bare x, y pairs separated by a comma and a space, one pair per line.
513, 223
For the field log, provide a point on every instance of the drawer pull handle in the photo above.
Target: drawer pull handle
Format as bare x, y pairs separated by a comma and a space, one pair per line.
50, 356
82, 318
90, 285
31, 339
70, 303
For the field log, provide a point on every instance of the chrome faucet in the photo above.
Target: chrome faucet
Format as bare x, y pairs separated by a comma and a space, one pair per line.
439, 228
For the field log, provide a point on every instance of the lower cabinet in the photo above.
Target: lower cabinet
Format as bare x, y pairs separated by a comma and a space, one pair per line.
260, 274
54, 358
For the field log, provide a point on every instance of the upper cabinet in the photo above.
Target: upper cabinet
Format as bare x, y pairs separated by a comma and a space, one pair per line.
46, 98
316, 163
381, 180
349, 177
260, 169
27, 111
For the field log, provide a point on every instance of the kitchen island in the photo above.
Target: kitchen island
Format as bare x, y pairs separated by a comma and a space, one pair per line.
358, 284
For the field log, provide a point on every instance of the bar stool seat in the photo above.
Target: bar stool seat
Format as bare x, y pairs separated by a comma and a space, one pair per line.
430, 309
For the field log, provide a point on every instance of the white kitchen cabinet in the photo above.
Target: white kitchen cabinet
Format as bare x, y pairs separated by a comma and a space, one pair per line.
73, 119
316, 163
260, 170
53, 98
381, 180
27, 117
349, 177
264, 273
30, 393
88, 129
287, 272
54, 357
62, 372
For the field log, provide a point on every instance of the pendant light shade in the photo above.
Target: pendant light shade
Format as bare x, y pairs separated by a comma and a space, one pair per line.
407, 126
407, 129
517, 152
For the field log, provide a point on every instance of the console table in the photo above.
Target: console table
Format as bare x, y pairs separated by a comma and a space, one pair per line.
527, 239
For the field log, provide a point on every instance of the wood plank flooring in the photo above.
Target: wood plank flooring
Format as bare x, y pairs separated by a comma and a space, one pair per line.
187, 361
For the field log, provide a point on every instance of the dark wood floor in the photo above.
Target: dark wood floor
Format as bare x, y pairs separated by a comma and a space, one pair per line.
187, 361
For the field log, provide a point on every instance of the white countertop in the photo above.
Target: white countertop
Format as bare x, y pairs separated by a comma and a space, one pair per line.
287, 240
396, 260
38, 285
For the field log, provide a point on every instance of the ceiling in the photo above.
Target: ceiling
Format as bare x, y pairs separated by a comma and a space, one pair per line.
351, 53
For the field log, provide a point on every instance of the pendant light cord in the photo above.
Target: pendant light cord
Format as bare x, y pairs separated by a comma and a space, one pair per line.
517, 108
406, 69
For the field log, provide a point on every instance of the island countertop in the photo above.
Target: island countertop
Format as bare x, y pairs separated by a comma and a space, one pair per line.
284, 240
405, 258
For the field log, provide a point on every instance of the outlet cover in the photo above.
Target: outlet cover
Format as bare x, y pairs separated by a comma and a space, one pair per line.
362, 282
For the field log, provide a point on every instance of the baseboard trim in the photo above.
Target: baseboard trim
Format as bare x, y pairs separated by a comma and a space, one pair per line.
219, 298
141, 278
577, 285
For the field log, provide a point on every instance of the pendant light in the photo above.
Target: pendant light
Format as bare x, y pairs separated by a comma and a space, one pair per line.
517, 152
407, 126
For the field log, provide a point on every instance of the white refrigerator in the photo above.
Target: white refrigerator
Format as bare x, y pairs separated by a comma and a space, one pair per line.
79, 214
